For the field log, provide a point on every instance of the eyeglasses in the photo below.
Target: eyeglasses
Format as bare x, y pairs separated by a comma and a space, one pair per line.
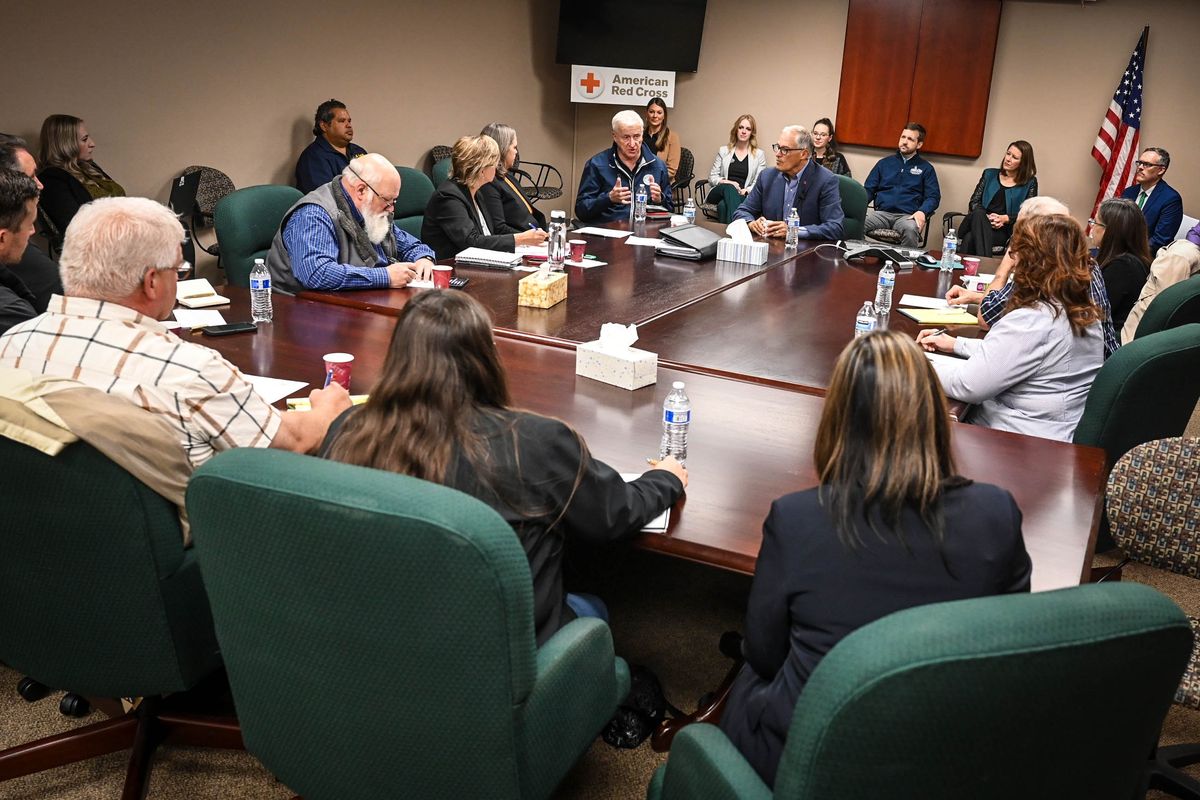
1095, 223
1146, 164
783, 151
387, 203
817, 134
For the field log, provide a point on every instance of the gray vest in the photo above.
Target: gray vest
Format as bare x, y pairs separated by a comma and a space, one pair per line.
279, 261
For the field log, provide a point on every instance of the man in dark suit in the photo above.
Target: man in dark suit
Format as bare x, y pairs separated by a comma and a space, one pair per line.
798, 182
36, 270
1161, 204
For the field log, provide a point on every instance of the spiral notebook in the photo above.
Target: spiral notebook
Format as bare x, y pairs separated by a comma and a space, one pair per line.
492, 259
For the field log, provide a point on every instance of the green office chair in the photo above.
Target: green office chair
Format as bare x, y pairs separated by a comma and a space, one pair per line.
402, 612
100, 597
415, 191
854, 206
1178, 304
441, 171
246, 221
1056, 694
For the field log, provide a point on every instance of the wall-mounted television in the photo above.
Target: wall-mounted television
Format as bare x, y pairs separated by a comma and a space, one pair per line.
637, 34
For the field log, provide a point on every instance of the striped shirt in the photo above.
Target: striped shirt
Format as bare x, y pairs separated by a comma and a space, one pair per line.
127, 354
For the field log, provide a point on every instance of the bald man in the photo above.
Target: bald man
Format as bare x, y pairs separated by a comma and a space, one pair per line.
341, 235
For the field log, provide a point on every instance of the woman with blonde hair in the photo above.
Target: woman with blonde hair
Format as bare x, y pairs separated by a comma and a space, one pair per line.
1032, 372
70, 177
890, 526
441, 412
735, 168
457, 217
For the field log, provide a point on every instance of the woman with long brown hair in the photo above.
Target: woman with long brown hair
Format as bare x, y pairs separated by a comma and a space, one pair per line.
1120, 232
1032, 372
441, 413
996, 200
70, 176
663, 141
890, 526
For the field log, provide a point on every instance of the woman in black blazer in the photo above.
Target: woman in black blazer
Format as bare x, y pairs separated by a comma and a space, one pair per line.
456, 217
504, 192
69, 176
891, 526
1123, 239
440, 412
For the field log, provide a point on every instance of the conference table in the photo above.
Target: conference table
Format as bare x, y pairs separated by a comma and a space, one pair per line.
750, 443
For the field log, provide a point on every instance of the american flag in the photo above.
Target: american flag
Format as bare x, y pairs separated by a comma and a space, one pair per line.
1116, 146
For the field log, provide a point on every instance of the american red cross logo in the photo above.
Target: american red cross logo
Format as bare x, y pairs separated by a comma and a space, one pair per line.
591, 83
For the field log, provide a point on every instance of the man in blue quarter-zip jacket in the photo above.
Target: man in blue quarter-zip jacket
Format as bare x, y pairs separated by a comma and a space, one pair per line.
905, 189
610, 177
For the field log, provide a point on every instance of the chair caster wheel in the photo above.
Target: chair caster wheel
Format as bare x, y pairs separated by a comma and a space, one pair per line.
73, 705
31, 690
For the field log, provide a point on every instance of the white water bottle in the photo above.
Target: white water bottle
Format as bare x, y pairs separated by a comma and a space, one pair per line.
556, 242
260, 293
793, 231
949, 248
865, 320
689, 211
677, 416
883, 294
639, 203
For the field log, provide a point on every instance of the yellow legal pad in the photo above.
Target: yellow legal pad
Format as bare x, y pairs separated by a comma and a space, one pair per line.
302, 404
939, 316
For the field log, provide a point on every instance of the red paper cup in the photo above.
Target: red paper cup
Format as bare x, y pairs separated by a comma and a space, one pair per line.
441, 276
339, 364
578, 249
970, 265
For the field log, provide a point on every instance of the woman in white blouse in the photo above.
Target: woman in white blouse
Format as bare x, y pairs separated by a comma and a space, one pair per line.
1032, 372
735, 167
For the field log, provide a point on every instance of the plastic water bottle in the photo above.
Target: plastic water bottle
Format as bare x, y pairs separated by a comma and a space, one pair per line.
556, 242
883, 294
689, 211
677, 416
793, 231
865, 321
639, 203
949, 248
260, 293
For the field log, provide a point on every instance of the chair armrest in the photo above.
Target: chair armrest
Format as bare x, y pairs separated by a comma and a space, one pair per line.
704, 765
579, 683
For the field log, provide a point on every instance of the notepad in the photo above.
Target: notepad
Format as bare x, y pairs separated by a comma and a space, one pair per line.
198, 293
481, 257
920, 301
939, 316
608, 233
303, 404
658, 524
534, 252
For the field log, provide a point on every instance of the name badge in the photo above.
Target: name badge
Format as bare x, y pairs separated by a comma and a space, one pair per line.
915, 171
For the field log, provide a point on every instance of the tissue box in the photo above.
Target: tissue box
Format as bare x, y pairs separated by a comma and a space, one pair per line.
629, 368
540, 291
743, 252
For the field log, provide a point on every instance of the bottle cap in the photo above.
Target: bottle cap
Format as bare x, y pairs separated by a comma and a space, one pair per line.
677, 385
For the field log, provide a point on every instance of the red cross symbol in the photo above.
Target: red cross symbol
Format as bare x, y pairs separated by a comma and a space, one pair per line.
591, 83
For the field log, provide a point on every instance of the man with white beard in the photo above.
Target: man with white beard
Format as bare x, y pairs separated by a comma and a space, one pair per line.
341, 235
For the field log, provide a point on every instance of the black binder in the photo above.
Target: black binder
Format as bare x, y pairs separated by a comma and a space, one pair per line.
689, 241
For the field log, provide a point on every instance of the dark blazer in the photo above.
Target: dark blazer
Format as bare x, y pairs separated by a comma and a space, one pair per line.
62, 195
810, 591
451, 224
16, 301
40, 273
1124, 277
818, 201
509, 206
550, 490
1164, 213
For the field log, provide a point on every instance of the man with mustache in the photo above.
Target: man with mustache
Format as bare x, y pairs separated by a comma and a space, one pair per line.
341, 235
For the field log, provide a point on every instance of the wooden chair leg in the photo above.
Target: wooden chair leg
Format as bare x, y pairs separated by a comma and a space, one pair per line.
90, 741
197, 731
137, 774
710, 712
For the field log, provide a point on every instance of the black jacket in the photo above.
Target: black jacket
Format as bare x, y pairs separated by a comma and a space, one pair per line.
451, 224
504, 203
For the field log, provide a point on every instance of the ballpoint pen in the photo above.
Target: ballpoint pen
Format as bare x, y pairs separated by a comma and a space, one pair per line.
328, 379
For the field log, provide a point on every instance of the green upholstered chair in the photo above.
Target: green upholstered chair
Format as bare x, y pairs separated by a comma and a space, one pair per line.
246, 221
1056, 694
415, 191
100, 597
854, 206
402, 613
1178, 304
441, 171
1153, 503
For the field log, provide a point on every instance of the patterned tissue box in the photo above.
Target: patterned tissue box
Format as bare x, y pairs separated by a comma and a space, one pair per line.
742, 252
628, 367
540, 291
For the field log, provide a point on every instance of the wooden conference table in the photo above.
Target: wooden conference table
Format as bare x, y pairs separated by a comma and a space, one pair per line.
749, 444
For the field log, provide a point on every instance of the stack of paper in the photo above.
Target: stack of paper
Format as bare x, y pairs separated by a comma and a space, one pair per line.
940, 316
481, 257
198, 293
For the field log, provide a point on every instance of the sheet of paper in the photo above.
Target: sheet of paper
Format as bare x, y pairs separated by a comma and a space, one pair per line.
920, 301
189, 318
533, 251
606, 232
274, 389
303, 403
525, 268
587, 263
642, 241
658, 524
943, 359
415, 284
940, 316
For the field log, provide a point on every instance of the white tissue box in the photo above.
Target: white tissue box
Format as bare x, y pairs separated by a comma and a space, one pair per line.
742, 252
629, 368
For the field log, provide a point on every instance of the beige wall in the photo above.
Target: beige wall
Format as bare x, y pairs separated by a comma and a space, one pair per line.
234, 85
1055, 70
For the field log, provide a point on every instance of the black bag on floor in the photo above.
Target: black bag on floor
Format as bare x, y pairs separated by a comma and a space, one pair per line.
641, 712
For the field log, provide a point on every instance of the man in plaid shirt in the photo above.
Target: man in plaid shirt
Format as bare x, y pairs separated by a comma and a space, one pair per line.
119, 268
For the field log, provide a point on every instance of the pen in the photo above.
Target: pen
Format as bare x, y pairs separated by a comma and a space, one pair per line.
328, 379
937, 332
202, 294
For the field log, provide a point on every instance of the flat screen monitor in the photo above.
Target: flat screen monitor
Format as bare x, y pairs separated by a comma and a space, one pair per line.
644, 34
